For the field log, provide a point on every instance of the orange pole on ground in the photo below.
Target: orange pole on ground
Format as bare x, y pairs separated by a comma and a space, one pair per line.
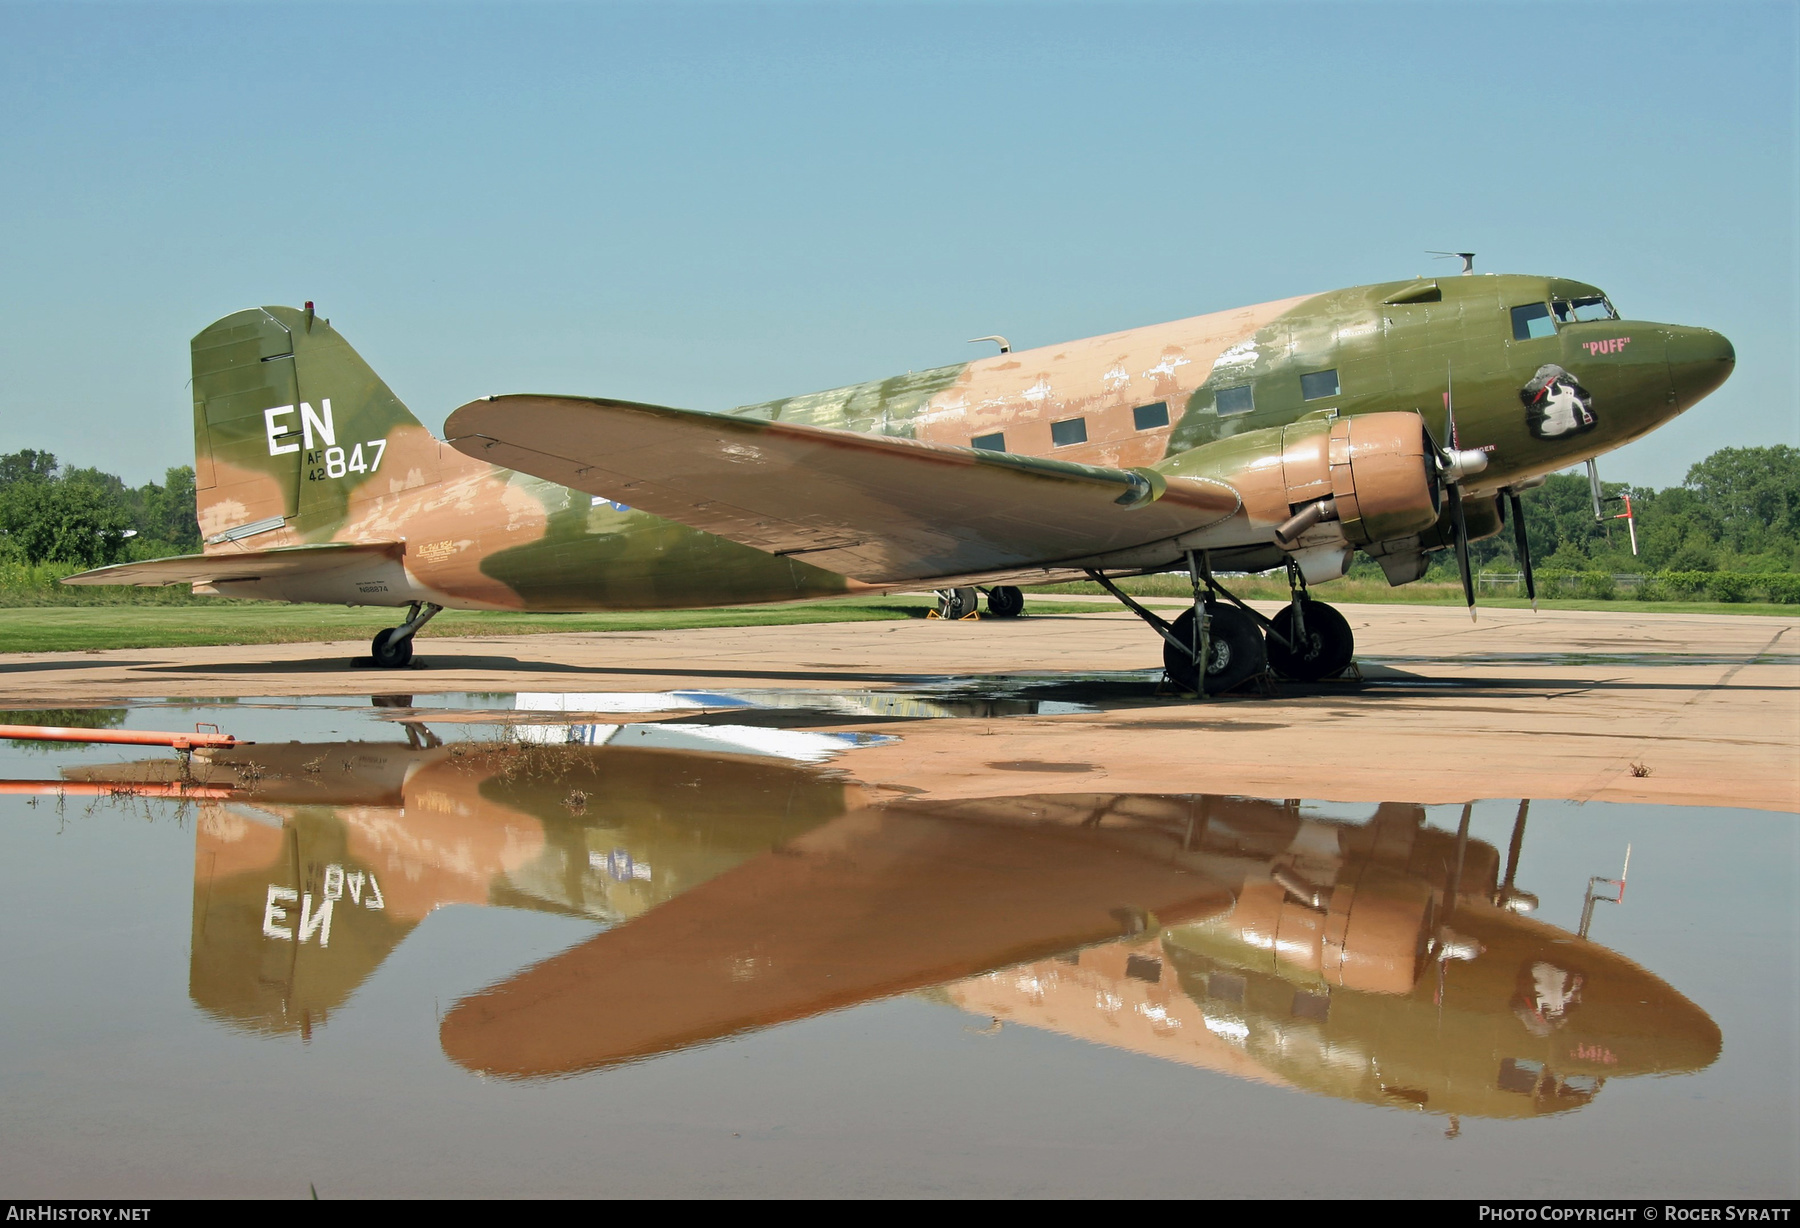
97, 788
124, 737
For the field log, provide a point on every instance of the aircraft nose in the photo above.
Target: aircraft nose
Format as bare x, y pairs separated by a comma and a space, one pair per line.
1699, 361
1647, 1027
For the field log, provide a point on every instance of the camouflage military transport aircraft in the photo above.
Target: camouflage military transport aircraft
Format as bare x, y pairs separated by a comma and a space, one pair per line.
1396, 419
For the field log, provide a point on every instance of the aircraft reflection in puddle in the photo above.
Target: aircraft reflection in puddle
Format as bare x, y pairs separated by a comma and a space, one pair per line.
1382, 961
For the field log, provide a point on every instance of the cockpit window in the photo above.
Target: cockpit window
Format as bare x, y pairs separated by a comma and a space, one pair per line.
1532, 320
1519, 1075
1580, 310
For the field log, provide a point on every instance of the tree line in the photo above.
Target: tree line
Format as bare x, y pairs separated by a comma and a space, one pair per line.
52, 513
1737, 511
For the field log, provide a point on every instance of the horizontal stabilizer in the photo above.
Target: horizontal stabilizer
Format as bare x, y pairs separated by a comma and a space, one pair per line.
877, 508
240, 565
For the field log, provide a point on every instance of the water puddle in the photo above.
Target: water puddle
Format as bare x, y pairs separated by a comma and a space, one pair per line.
958, 698
1008, 697
676, 957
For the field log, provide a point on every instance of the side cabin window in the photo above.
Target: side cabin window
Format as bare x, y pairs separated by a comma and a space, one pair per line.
1068, 431
1149, 417
1237, 400
1532, 320
1318, 384
1581, 310
990, 443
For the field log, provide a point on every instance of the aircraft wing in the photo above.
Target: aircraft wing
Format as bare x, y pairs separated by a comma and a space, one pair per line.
240, 564
874, 903
873, 507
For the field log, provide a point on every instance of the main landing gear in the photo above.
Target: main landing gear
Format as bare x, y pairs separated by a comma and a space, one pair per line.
1003, 601
1234, 650
1306, 641
392, 648
1309, 640
955, 604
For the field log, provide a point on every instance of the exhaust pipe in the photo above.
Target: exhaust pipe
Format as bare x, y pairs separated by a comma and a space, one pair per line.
1290, 530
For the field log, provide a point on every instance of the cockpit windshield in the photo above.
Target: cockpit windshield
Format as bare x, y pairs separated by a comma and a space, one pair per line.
1580, 310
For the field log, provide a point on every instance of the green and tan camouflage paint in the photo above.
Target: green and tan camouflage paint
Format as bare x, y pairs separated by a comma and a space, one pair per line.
269, 456
1408, 355
475, 536
1020, 394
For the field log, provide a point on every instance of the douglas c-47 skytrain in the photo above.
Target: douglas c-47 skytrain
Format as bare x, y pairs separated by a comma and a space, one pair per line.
1395, 419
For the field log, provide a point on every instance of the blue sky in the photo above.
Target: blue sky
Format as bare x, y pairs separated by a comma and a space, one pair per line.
707, 205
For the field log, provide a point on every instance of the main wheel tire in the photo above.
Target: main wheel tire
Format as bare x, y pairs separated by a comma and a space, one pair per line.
390, 649
1235, 652
1325, 650
1005, 601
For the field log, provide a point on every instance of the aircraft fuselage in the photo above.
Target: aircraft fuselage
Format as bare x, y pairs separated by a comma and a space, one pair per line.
1539, 373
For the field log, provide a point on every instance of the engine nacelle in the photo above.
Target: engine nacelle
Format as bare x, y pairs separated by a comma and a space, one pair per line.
1373, 475
1377, 471
1370, 934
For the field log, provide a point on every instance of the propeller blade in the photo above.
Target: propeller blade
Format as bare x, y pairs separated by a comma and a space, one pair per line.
1462, 848
1449, 410
1453, 884
1462, 547
1518, 843
1522, 541
1447, 458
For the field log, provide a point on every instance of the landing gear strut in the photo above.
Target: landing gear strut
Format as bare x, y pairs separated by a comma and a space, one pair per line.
1309, 640
392, 648
1003, 601
1225, 638
1234, 651
1306, 641
957, 603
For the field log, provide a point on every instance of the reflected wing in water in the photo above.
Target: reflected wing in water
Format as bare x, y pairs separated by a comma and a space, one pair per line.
875, 903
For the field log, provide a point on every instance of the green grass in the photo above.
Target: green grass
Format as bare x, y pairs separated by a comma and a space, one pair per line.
40, 584
87, 628
90, 628
1355, 589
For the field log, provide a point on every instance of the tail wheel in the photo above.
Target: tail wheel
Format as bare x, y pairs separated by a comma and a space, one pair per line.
1323, 652
1005, 601
390, 649
1234, 655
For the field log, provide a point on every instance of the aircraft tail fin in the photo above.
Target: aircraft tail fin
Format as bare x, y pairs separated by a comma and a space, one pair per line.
292, 429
